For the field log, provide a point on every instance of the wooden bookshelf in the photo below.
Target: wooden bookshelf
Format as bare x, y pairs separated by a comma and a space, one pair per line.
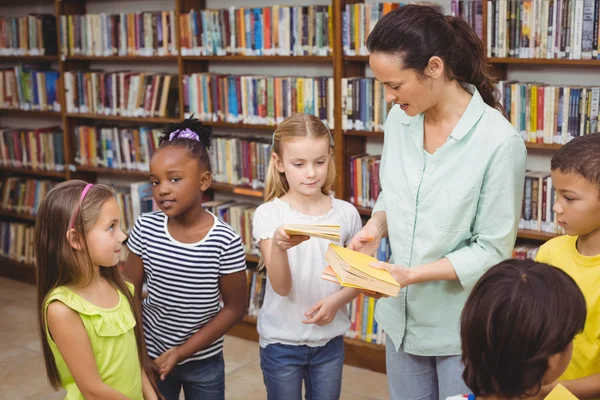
221, 124
365, 134
282, 59
28, 59
545, 61
121, 58
17, 215
17, 112
536, 235
120, 118
241, 190
33, 172
358, 353
542, 146
17, 270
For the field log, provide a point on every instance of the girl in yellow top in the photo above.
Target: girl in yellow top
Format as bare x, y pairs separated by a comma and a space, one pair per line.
90, 336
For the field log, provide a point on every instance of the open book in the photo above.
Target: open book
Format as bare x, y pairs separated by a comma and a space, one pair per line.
351, 269
560, 393
329, 232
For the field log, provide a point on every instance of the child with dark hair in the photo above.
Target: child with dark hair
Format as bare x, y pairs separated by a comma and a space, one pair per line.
517, 329
188, 259
575, 170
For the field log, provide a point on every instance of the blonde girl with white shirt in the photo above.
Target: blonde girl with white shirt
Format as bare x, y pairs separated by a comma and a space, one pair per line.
303, 317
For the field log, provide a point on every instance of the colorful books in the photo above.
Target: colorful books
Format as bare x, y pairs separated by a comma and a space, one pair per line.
351, 269
328, 232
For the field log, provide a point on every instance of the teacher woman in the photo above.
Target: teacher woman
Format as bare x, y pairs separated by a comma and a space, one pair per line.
452, 174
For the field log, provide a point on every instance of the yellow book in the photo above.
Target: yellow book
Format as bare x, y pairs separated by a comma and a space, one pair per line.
329, 232
560, 393
353, 270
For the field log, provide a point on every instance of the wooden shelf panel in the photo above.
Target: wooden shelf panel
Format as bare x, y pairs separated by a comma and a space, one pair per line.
17, 270
370, 134
242, 190
356, 58
239, 126
34, 172
358, 353
236, 58
364, 211
542, 146
536, 235
543, 61
253, 258
139, 120
17, 215
30, 113
121, 58
29, 59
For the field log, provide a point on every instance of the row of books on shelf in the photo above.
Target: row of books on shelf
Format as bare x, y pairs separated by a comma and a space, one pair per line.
240, 161
23, 196
29, 35
471, 11
39, 149
17, 242
525, 251
364, 106
239, 216
562, 29
265, 31
358, 20
29, 88
124, 34
550, 114
257, 99
115, 147
364, 185
129, 94
537, 212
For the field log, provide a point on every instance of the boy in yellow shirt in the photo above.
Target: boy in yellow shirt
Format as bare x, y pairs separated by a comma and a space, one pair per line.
575, 170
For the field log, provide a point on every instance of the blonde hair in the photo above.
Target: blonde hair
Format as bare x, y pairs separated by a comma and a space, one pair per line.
58, 264
296, 126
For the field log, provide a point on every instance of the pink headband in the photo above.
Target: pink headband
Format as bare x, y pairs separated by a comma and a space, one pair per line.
83, 193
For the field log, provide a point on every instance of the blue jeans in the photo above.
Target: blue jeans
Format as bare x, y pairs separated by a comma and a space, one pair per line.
413, 377
284, 367
203, 379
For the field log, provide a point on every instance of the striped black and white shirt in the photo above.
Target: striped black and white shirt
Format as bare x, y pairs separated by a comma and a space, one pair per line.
182, 281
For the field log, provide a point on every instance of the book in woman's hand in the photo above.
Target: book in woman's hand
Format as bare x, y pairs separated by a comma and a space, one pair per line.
329, 232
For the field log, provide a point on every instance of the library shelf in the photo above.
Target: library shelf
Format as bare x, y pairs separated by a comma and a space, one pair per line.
253, 258
222, 124
356, 58
28, 59
364, 210
120, 58
33, 172
242, 190
543, 146
543, 61
17, 215
369, 134
16, 270
536, 235
358, 353
30, 113
143, 120
241, 58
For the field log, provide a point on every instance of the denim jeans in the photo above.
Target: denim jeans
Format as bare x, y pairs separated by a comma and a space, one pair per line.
201, 380
285, 367
413, 377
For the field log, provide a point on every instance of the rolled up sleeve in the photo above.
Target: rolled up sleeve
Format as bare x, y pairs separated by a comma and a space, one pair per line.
498, 213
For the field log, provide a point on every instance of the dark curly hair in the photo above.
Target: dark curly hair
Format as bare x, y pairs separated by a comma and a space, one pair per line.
197, 149
520, 313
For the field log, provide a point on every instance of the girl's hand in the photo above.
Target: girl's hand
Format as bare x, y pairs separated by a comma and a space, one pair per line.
167, 361
401, 274
152, 371
366, 240
323, 312
283, 241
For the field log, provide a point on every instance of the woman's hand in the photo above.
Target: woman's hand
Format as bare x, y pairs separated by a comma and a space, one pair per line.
402, 275
283, 241
366, 240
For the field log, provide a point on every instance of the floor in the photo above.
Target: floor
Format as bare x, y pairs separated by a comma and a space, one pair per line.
22, 374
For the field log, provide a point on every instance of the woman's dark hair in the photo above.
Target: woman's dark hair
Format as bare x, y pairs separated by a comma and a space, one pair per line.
197, 148
520, 313
416, 33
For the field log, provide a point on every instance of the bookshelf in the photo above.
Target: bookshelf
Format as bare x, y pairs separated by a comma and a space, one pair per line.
348, 142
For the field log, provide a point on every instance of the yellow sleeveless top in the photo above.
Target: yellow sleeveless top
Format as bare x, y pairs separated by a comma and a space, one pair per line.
112, 336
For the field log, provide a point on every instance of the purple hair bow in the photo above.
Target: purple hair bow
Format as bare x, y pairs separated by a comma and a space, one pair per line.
184, 134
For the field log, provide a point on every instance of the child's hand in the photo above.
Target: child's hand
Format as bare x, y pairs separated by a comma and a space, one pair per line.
401, 274
284, 241
366, 240
323, 312
167, 361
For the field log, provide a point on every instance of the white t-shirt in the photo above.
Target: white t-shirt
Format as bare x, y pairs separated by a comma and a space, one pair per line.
280, 318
